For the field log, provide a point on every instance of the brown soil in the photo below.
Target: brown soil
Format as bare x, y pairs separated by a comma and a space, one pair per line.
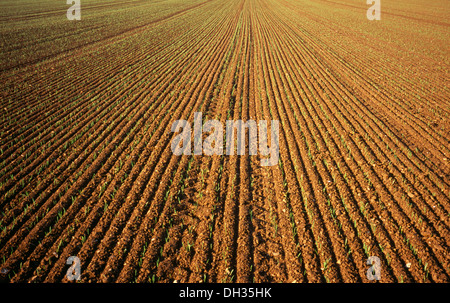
86, 167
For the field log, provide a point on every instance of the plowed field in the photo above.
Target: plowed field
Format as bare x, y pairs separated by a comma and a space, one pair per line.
87, 170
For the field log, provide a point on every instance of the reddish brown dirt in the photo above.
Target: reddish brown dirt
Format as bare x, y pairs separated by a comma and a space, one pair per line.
87, 170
